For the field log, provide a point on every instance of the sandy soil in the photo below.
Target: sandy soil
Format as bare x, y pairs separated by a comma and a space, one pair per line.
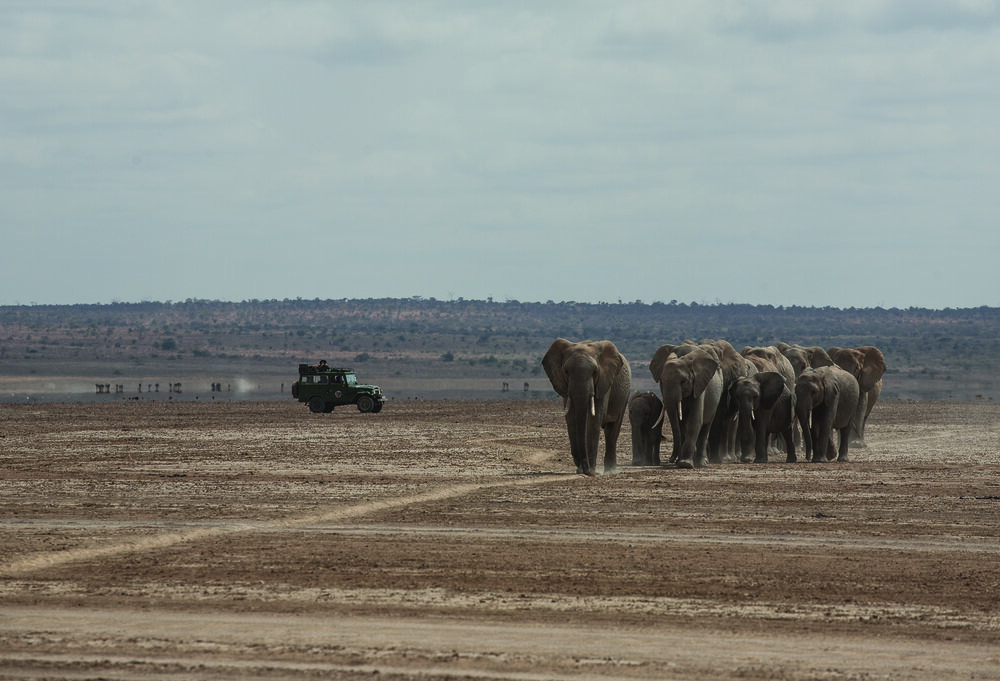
451, 540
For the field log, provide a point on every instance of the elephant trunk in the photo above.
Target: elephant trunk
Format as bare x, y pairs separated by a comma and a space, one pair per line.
802, 410
578, 420
673, 415
747, 437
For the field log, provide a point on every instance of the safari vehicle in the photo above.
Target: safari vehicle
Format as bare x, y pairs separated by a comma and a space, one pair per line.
324, 388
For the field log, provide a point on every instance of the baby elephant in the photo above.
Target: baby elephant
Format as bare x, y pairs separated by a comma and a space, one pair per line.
829, 395
644, 409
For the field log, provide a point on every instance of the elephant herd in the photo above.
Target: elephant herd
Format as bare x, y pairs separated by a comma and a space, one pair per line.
721, 405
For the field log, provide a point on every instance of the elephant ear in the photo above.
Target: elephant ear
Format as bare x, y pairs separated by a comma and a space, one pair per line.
872, 367
552, 363
659, 359
704, 366
772, 384
610, 363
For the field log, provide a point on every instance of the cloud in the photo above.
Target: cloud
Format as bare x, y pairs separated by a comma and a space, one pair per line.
235, 133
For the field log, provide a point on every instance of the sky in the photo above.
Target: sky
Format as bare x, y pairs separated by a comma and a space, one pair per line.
767, 152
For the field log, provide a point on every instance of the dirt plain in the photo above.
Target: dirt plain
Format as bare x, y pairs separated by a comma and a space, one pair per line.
451, 540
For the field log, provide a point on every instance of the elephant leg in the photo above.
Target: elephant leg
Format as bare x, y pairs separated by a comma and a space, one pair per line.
824, 437
857, 428
684, 438
789, 444
702, 457
689, 447
845, 440
718, 438
593, 442
639, 439
819, 444
642, 444
611, 432
761, 437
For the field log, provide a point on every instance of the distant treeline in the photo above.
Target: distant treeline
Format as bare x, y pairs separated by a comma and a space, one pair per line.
961, 337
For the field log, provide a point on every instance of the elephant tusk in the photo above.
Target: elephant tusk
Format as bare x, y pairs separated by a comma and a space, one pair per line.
593, 409
659, 420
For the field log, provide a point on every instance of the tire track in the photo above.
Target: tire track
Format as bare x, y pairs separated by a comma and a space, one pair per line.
55, 559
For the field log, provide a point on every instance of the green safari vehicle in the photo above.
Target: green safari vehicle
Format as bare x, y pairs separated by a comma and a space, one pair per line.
323, 388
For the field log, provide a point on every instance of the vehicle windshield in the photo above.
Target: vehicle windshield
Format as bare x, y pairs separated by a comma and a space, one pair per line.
351, 379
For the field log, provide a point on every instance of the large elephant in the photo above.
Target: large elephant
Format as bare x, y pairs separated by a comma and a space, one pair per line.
765, 408
801, 358
595, 381
827, 396
690, 382
765, 403
732, 366
867, 364
645, 412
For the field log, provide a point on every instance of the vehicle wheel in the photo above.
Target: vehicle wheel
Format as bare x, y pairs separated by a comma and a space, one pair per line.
378, 408
365, 404
316, 404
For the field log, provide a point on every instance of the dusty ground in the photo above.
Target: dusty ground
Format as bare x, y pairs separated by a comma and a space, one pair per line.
450, 540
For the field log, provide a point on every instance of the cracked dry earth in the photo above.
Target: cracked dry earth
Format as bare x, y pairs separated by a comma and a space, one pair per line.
451, 540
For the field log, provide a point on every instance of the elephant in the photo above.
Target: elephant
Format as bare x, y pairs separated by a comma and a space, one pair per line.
767, 359
595, 380
867, 364
732, 366
644, 413
802, 358
829, 395
765, 403
690, 382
